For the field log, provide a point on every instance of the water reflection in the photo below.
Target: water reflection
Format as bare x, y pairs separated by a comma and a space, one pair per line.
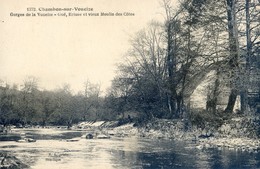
53, 151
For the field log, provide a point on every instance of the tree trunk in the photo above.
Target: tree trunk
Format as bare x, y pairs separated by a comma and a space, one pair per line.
216, 93
244, 100
244, 92
231, 101
171, 65
233, 49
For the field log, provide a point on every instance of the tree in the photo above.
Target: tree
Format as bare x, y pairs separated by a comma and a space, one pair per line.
49, 106
189, 55
64, 112
7, 96
142, 75
172, 27
250, 32
243, 29
29, 100
91, 101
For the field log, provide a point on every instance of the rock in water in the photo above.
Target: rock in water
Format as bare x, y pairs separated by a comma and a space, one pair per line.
21, 141
73, 140
26, 140
89, 136
102, 136
31, 140
206, 135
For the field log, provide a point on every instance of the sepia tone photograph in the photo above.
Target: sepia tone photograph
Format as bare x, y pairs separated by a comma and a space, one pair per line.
117, 84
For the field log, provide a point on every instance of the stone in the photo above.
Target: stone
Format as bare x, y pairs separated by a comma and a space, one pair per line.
102, 136
31, 140
89, 136
73, 140
21, 141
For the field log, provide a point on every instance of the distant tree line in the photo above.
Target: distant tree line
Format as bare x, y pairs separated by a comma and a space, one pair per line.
31, 106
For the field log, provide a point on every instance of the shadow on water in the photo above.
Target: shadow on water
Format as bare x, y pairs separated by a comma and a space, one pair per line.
179, 156
57, 136
155, 160
39, 135
231, 159
9, 137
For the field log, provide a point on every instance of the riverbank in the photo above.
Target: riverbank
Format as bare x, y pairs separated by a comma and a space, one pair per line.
8, 161
239, 133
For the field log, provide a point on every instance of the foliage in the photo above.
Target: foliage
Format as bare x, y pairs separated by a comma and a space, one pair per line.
202, 119
29, 105
168, 60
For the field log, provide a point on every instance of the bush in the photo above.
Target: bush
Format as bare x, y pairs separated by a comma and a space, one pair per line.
202, 118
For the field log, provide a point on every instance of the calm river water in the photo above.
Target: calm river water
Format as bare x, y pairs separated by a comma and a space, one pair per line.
52, 151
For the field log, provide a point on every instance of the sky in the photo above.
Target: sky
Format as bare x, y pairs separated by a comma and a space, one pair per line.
59, 50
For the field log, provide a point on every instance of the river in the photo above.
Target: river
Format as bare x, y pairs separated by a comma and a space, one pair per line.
53, 151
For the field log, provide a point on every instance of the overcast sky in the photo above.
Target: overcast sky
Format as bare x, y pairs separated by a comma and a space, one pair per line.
71, 50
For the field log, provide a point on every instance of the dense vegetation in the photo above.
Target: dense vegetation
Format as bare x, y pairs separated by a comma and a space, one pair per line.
29, 105
168, 60
165, 64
